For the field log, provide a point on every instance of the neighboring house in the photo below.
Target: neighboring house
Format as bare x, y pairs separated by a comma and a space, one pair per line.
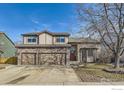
1, 52
55, 48
7, 47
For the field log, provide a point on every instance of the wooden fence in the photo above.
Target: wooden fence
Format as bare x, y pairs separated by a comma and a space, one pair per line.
9, 60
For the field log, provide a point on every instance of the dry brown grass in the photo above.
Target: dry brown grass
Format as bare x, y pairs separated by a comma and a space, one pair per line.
95, 73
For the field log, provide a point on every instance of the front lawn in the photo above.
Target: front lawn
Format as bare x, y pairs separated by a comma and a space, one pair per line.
94, 73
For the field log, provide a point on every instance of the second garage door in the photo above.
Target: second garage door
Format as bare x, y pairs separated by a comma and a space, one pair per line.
55, 58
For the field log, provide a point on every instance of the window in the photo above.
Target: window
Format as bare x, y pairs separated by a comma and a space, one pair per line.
73, 49
57, 39
60, 39
32, 39
90, 52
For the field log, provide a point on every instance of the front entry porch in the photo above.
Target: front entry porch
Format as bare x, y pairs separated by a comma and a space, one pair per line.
88, 55
80, 54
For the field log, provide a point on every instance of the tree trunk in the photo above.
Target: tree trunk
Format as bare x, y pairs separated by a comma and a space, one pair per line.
117, 61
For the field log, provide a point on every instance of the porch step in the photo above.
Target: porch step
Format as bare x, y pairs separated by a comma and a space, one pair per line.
74, 62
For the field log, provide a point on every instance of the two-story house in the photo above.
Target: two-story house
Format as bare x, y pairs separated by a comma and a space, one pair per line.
55, 48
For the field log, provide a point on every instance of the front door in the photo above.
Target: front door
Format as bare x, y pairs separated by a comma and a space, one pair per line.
73, 53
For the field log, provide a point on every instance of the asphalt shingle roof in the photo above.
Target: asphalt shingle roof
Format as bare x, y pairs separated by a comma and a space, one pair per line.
82, 40
45, 31
43, 45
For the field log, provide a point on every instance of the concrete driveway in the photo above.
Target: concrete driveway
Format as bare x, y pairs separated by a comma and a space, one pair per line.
37, 75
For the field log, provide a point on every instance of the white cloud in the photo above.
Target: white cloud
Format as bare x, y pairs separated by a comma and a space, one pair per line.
35, 21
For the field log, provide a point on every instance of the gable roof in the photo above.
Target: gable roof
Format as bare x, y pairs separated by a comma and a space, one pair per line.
45, 31
2, 33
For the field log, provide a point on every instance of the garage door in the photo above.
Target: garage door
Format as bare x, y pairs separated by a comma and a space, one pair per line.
28, 59
57, 59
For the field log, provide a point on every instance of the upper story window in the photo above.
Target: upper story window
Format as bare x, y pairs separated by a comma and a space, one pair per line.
60, 39
31, 39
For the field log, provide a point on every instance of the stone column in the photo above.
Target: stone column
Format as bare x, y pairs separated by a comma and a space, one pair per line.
67, 56
37, 57
95, 55
87, 55
78, 53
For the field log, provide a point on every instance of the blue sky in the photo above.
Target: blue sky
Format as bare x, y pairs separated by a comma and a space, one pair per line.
16, 19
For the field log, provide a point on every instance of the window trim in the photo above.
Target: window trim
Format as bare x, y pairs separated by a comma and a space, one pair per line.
60, 39
32, 39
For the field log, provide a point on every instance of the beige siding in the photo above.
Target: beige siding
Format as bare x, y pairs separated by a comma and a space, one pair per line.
98, 50
45, 39
66, 41
25, 40
49, 39
42, 38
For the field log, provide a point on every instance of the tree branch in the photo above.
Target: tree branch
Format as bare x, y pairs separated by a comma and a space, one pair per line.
106, 13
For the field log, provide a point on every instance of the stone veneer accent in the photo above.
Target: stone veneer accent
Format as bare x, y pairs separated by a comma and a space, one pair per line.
48, 55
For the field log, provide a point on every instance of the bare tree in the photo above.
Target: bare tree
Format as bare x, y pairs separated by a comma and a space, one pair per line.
106, 22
